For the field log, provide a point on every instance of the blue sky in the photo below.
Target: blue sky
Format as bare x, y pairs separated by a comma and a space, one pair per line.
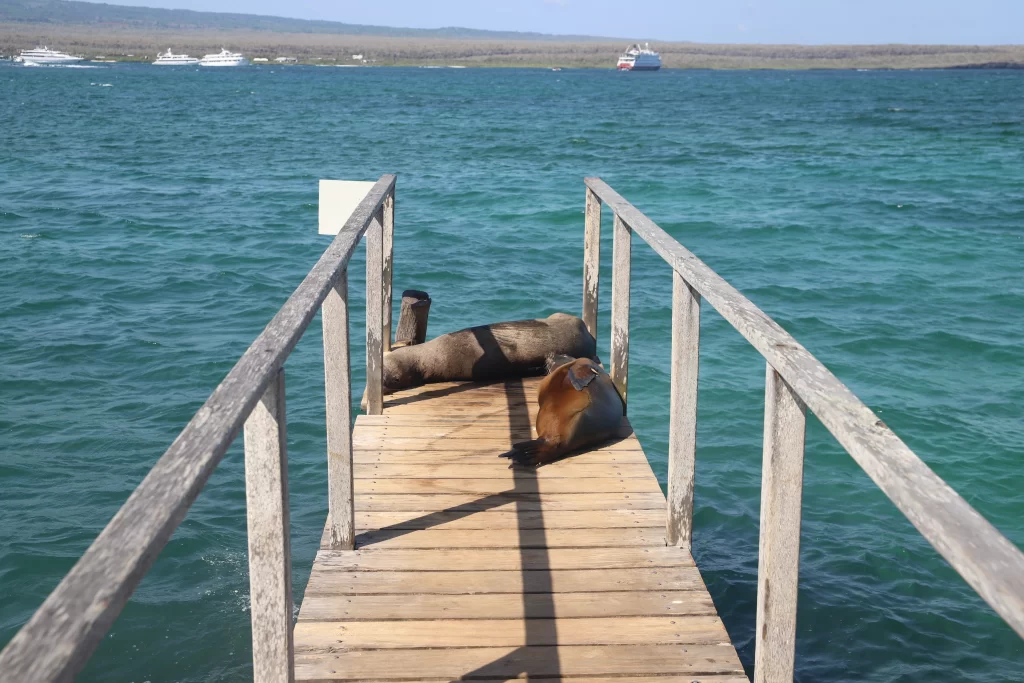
717, 21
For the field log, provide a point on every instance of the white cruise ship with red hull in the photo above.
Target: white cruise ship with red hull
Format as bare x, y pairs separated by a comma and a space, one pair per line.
637, 58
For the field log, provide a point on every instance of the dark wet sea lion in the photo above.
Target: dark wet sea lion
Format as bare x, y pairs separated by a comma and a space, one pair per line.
488, 352
579, 407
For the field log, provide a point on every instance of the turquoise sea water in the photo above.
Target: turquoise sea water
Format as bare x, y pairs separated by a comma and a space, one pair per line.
153, 220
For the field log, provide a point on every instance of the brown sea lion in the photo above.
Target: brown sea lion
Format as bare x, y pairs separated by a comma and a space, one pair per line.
488, 352
579, 407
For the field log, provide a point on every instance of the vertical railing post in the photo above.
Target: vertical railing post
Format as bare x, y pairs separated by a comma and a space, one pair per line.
682, 435
374, 313
778, 562
591, 260
338, 389
270, 566
389, 254
620, 305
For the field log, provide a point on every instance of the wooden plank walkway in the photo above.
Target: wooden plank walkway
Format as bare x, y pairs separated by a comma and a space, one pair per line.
465, 569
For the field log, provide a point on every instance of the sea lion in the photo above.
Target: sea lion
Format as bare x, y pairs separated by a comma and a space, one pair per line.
579, 407
488, 352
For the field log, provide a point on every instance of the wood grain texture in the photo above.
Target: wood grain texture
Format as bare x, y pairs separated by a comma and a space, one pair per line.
485, 487
270, 557
987, 560
620, 305
338, 391
508, 517
682, 434
374, 315
486, 631
680, 586
425, 604
521, 500
591, 261
618, 537
62, 634
778, 563
388, 248
467, 559
510, 663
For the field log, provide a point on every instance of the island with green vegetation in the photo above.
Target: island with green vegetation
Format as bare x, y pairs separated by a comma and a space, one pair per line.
138, 33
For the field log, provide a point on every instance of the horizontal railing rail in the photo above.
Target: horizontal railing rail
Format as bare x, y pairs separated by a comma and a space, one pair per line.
991, 564
63, 633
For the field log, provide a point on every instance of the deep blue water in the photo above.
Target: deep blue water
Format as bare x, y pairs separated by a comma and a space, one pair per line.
153, 220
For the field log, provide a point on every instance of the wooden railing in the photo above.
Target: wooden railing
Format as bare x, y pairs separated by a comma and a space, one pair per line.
795, 381
63, 633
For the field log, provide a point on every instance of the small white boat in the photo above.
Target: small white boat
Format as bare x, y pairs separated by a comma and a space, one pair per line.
170, 59
223, 58
637, 58
44, 55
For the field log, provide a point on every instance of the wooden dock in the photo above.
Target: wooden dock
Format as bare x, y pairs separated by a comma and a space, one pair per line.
437, 562
466, 569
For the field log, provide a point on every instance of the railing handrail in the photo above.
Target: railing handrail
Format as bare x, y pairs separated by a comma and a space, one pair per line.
65, 630
990, 563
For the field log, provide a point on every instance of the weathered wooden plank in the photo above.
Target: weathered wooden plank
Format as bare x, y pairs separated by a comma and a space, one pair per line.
484, 460
338, 391
484, 487
510, 663
270, 557
505, 559
498, 469
485, 631
641, 537
363, 442
523, 501
682, 439
459, 430
60, 637
986, 559
778, 562
508, 517
683, 605
388, 254
591, 261
682, 587
654, 678
375, 314
620, 305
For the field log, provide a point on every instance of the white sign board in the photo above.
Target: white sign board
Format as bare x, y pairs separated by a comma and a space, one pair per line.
338, 199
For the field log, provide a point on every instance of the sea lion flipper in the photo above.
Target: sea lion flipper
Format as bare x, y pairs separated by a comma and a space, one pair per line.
531, 453
581, 375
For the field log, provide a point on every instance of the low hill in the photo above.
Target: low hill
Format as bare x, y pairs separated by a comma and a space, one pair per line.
71, 12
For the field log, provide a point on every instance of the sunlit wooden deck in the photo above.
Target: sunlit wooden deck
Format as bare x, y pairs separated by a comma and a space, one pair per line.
467, 569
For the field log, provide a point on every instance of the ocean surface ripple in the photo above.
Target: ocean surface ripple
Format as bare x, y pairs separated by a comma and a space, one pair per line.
152, 227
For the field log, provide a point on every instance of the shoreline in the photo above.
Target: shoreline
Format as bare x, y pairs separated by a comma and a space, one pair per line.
125, 43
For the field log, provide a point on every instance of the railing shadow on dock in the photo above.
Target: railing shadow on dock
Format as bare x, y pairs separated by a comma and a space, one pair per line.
63, 633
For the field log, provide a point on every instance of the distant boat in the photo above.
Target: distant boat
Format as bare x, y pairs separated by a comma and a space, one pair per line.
637, 58
44, 55
170, 59
223, 58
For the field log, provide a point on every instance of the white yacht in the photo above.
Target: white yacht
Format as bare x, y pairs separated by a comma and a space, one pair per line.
223, 58
44, 55
170, 59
